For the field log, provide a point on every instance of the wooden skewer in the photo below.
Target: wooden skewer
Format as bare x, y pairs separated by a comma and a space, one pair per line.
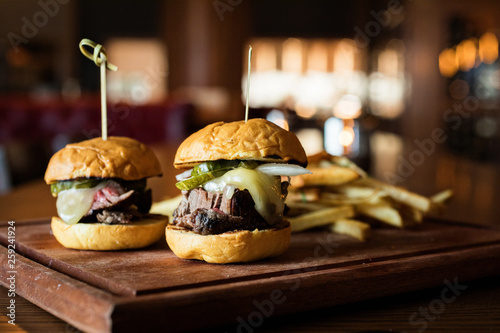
99, 57
248, 81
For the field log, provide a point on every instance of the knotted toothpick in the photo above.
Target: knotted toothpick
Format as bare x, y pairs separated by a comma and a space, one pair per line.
99, 57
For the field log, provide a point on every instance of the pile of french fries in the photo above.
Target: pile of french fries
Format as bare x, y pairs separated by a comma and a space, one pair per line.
343, 198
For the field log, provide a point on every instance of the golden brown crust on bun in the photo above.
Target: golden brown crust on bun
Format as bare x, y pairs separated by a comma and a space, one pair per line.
117, 157
103, 237
256, 139
229, 247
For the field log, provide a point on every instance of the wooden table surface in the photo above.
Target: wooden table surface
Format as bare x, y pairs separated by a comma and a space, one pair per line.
476, 307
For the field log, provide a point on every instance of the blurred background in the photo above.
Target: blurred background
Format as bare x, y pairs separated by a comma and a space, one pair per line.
407, 89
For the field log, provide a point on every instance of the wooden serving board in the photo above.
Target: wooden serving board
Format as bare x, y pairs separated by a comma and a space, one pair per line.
152, 289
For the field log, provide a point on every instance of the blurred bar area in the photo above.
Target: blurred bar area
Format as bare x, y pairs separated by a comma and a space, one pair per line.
409, 90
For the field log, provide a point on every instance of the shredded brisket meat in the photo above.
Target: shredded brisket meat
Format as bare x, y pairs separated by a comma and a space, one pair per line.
113, 204
114, 217
213, 213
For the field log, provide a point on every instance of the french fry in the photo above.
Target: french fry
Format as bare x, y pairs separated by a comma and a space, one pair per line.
304, 194
328, 198
438, 200
340, 183
332, 175
381, 212
329, 170
316, 205
324, 160
347, 163
400, 194
320, 218
441, 197
355, 190
411, 214
352, 193
357, 229
166, 207
298, 207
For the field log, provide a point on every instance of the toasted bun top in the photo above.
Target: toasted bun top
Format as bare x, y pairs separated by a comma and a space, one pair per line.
117, 157
256, 139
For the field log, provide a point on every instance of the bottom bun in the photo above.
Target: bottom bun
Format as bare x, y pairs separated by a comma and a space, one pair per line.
229, 247
100, 236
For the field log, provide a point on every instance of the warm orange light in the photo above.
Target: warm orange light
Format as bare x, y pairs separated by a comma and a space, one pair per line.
292, 56
466, 54
311, 139
264, 52
278, 117
282, 123
448, 62
346, 136
308, 75
388, 62
344, 57
317, 56
143, 70
488, 48
305, 111
348, 107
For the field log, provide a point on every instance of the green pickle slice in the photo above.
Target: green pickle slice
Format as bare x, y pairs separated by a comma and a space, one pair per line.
210, 170
62, 185
208, 166
195, 181
59, 186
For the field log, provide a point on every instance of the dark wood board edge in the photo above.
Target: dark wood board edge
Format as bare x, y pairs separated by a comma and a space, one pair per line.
66, 269
243, 303
38, 220
85, 307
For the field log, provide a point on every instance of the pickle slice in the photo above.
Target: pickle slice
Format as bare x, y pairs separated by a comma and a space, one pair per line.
222, 164
247, 164
213, 166
56, 188
195, 181
59, 186
209, 170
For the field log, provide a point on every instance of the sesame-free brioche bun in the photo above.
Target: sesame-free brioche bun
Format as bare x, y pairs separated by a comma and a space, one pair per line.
104, 237
256, 139
116, 157
229, 247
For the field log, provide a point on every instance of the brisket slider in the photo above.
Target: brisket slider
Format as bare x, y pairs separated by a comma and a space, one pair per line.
233, 194
102, 199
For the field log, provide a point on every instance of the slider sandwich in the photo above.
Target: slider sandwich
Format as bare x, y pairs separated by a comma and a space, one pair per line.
233, 194
102, 197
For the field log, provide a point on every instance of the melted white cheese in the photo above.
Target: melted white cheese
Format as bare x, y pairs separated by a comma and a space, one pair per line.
264, 189
74, 203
